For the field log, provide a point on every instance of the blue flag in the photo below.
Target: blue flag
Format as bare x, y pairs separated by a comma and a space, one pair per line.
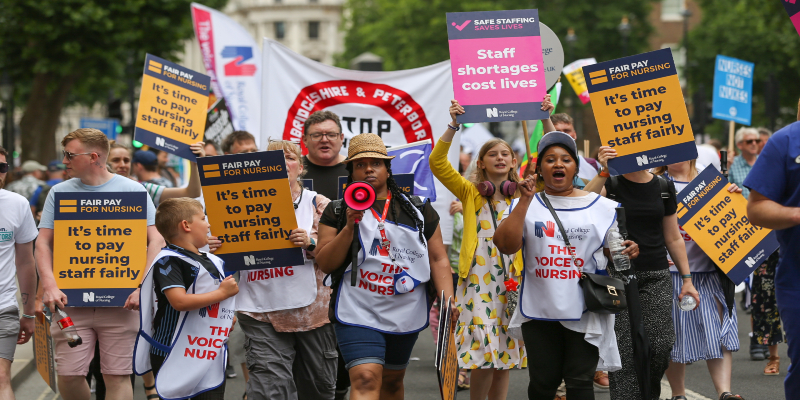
412, 158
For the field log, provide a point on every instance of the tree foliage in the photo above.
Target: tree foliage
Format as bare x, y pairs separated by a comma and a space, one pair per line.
758, 31
412, 33
63, 51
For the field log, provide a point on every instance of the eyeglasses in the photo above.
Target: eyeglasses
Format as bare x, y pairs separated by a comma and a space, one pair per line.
3, 167
752, 140
69, 155
316, 137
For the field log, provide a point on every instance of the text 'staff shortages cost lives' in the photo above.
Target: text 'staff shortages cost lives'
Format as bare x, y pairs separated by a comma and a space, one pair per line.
640, 111
497, 65
100, 246
172, 107
717, 220
250, 209
733, 90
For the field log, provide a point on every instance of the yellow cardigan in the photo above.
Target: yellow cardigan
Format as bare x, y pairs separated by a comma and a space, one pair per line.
471, 200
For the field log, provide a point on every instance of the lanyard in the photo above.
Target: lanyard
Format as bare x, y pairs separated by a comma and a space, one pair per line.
381, 219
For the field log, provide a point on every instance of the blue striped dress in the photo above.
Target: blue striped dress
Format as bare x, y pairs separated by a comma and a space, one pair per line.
700, 334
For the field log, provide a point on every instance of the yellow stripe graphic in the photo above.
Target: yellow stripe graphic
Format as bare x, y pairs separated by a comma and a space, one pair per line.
69, 209
68, 202
595, 74
599, 80
214, 174
210, 167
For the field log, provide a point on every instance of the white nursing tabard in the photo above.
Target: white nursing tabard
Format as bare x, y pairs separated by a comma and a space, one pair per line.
197, 357
550, 288
372, 303
283, 288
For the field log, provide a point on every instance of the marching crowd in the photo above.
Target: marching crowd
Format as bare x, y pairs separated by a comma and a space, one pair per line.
326, 328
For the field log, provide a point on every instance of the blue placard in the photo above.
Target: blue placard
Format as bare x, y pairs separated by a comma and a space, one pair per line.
108, 126
733, 90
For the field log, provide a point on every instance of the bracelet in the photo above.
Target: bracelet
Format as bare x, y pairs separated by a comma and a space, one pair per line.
455, 128
28, 316
689, 276
604, 174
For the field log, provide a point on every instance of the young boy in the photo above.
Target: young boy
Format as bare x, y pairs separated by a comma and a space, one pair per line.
186, 308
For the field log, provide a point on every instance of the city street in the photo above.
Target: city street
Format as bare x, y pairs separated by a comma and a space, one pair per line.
748, 379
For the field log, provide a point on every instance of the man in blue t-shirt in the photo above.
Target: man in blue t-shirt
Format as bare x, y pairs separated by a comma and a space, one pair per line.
774, 203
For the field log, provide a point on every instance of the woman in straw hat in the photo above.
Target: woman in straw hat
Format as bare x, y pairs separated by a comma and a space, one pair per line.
400, 254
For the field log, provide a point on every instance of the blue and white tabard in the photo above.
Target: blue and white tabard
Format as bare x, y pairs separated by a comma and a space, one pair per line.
283, 288
373, 303
550, 287
198, 352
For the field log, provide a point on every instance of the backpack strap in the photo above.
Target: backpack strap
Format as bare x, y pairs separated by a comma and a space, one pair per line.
664, 186
611, 191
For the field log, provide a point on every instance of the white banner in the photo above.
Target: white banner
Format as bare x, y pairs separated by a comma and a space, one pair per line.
400, 106
233, 60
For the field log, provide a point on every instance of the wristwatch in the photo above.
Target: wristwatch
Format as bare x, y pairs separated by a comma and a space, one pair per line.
603, 172
312, 246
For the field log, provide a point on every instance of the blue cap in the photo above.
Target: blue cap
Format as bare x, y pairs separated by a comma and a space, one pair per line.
558, 137
55, 166
145, 157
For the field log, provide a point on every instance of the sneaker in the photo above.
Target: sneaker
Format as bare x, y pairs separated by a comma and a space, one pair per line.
757, 352
601, 380
230, 372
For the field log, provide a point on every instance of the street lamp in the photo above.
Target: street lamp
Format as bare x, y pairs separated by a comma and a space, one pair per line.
571, 39
625, 31
7, 96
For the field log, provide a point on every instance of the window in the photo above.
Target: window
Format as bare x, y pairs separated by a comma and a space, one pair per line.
313, 30
671, 10
280, 30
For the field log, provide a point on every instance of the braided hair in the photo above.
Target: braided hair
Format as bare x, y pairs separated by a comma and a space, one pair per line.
397, 195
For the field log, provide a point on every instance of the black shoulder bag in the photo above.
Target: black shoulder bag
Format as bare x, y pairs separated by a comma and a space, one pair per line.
602, 294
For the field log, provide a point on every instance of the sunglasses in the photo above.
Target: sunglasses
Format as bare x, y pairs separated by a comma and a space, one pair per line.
3, 167
69, 155
752, 140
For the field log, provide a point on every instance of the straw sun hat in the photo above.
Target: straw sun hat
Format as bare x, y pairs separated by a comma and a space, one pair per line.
366, 145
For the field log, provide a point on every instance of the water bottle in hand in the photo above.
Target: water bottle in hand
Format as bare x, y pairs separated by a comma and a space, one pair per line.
688, 303
68, 328
621, 261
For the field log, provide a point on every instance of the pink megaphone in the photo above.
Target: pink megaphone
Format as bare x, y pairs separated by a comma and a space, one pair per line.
359, 195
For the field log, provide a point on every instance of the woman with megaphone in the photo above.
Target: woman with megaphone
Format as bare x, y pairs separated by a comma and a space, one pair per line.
379, 313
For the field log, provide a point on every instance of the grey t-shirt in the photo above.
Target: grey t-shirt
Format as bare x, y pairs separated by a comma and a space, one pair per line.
115, 184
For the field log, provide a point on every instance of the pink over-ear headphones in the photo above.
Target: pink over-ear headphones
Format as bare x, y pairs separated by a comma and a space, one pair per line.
507, 188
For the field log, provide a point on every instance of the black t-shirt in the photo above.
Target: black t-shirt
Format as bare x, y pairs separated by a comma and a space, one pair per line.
326, 179
430, 218
173, 272
645, 211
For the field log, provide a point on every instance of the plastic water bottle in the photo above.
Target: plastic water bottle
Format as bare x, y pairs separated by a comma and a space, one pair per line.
621, 261
68, 328
688, 303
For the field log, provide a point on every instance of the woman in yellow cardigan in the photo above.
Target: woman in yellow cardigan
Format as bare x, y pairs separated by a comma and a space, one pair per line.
484, 345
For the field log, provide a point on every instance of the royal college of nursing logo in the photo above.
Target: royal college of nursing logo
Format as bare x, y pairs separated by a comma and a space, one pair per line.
212, 311
376, 249
547, 228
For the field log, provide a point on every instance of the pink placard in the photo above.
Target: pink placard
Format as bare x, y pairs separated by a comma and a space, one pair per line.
498, 70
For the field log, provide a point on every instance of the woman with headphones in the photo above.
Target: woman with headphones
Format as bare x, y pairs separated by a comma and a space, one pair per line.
484, 345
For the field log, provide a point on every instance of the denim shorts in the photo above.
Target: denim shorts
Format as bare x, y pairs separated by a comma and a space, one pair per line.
360, 345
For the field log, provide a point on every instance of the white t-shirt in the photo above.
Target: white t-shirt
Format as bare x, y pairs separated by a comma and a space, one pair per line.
16, 226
